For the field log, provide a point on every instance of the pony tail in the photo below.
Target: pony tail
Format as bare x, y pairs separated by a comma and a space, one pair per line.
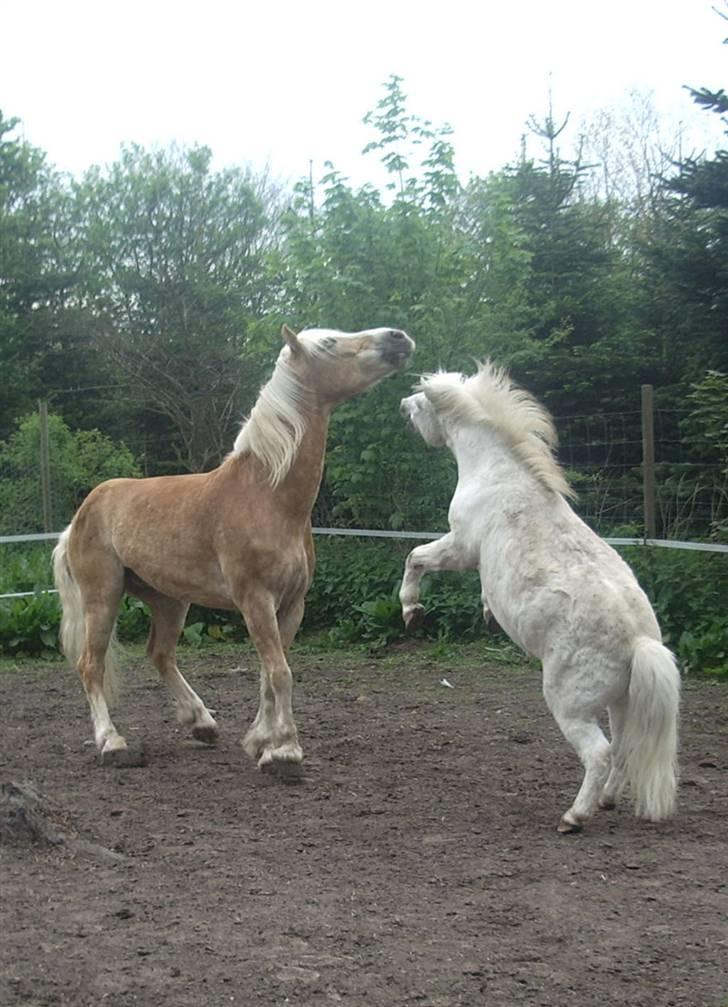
73, 622
648, 747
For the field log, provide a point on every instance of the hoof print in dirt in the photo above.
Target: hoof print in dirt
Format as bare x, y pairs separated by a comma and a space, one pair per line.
23, 817
124, 758
283, 771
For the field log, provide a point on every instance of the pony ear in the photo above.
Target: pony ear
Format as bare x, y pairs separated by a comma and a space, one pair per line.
290, 338
441, 395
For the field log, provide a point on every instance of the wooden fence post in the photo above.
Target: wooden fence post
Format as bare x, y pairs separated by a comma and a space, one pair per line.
45, 468
648, 462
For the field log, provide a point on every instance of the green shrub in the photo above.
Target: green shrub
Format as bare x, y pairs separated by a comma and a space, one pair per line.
689, 591
354, 599
78, 461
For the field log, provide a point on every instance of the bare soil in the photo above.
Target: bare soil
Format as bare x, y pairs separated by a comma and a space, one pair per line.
418, 863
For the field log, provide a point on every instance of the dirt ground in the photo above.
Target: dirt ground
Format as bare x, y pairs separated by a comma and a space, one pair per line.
418, 863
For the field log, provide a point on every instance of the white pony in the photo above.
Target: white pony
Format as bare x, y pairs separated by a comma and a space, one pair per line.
558, 590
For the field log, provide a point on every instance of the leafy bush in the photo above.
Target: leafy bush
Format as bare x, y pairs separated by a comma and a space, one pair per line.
689, 591
78, 461
354, 599
30, 625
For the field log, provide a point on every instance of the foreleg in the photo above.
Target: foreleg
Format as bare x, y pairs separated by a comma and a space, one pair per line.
272, 738
443, 554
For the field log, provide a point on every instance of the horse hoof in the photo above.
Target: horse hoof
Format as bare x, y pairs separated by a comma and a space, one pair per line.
414, 619
566, 827
123, 758
607, 803
205, 733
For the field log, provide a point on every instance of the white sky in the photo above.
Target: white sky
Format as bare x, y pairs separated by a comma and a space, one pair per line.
282, 83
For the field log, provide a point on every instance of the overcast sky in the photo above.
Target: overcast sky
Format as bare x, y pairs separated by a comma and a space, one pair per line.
283, 83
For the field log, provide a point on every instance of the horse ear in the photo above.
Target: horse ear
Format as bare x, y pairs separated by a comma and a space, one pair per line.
290, 338
440, 395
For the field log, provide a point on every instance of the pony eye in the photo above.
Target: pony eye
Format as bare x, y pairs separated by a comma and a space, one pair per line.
329, 342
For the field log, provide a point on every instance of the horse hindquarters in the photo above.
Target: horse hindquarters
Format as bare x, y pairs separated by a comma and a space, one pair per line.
645, 752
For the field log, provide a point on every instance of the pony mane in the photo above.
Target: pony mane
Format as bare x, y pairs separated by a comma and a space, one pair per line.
491, 398
275, 427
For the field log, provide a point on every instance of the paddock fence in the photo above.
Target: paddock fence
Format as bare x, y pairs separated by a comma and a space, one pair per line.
643, 477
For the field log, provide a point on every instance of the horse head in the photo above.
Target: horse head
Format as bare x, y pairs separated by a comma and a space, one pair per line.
338, 365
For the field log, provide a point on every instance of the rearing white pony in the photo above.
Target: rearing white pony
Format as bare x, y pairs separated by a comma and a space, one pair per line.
558, 590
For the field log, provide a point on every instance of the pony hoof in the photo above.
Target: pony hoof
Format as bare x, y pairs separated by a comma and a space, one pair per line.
567, 827
607, 803
124, 758
205, 733
414, 618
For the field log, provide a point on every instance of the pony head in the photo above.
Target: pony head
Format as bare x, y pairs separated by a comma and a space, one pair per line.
421, 413
444, 403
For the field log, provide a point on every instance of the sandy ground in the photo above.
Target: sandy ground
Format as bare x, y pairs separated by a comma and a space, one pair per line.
418, 863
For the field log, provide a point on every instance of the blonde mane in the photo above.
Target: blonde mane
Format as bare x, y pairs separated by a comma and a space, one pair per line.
275, 427
490, 398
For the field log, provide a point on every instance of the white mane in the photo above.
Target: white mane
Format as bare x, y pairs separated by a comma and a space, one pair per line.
490, 397
276, 425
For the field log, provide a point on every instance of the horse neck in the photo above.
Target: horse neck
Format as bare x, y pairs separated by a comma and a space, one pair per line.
481, 451
299, 487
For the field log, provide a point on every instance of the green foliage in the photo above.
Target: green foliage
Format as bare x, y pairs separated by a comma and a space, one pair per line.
177, 256
78, 461
689, 592
29, 625
354, 600
709, 414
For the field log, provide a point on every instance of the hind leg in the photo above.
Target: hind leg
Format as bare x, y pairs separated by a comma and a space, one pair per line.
168, 619
616, 779
578, 723
100, 619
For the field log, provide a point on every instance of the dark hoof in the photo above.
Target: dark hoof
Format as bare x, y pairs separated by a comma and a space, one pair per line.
284, 771
207, 735
569, 828
124, 758
607, 805
415, 620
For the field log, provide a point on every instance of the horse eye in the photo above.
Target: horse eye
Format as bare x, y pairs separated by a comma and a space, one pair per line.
329, 342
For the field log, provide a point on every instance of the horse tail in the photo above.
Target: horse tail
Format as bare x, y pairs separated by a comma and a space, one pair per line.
73, 621
647, 749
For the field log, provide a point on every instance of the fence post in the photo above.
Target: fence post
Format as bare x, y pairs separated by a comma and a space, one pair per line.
648, 461
45, 468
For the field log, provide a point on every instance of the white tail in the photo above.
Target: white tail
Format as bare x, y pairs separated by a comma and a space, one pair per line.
648, 746
73, 623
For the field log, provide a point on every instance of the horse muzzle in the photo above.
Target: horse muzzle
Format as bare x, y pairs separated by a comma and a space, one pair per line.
397, 347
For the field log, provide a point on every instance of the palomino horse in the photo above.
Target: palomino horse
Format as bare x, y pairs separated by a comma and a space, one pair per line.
236, 537
558, 590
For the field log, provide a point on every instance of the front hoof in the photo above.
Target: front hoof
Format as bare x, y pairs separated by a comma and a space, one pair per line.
569, 825
205, 733
607, 803
283, 763
414, 618
123, 758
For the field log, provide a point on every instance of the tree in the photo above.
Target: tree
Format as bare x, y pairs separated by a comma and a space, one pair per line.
79, 460
177, 277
